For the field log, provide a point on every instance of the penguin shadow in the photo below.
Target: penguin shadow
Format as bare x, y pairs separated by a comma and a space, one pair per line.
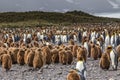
118, 69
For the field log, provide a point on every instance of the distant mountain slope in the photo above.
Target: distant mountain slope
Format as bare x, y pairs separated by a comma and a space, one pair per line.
54, 17
37, 18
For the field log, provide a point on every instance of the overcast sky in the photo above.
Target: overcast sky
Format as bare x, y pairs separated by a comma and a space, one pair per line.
90, 6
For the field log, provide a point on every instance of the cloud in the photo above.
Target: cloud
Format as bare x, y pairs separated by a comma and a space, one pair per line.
70, 1
42, 8
90, 6
57, 10
74, 1
112, 15
65, 10
118, 1
114, 4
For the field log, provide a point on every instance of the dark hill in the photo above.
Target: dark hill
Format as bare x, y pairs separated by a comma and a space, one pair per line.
53, 17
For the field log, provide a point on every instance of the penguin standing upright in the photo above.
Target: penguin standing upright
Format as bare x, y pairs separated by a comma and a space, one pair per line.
114, 59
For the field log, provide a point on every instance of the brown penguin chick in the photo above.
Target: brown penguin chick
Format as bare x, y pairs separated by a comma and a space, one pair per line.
73, 75
30, 58
47, 55
69, 56
81, 53
104, 61
26, 54
13, 53
20, 57
71, 42
55, 56
118, 52
38, 60
94, 52
75, 47
99, 51
6, 61
108, 50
